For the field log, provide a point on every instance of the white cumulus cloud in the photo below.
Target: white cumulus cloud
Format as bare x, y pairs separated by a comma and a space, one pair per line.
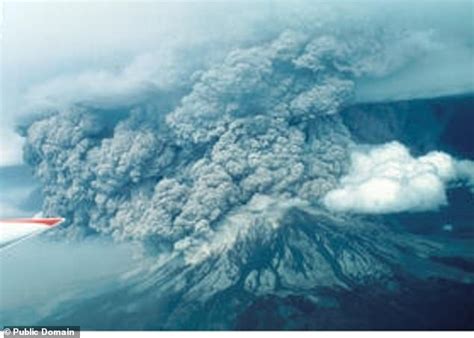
387, 179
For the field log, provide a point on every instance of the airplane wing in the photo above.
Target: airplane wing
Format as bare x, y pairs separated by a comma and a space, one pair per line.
13, 231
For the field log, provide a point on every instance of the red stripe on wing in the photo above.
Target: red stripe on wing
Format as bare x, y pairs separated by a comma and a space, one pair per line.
45, 221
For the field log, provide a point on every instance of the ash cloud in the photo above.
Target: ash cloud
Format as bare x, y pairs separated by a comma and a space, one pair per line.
209, 139
248, 126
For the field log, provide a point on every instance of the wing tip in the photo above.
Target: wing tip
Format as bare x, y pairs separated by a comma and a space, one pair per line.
50, 221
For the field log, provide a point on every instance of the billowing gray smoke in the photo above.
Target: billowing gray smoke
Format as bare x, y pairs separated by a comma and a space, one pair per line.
261, 122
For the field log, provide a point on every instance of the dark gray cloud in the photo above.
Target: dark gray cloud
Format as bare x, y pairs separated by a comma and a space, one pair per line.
213, 138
